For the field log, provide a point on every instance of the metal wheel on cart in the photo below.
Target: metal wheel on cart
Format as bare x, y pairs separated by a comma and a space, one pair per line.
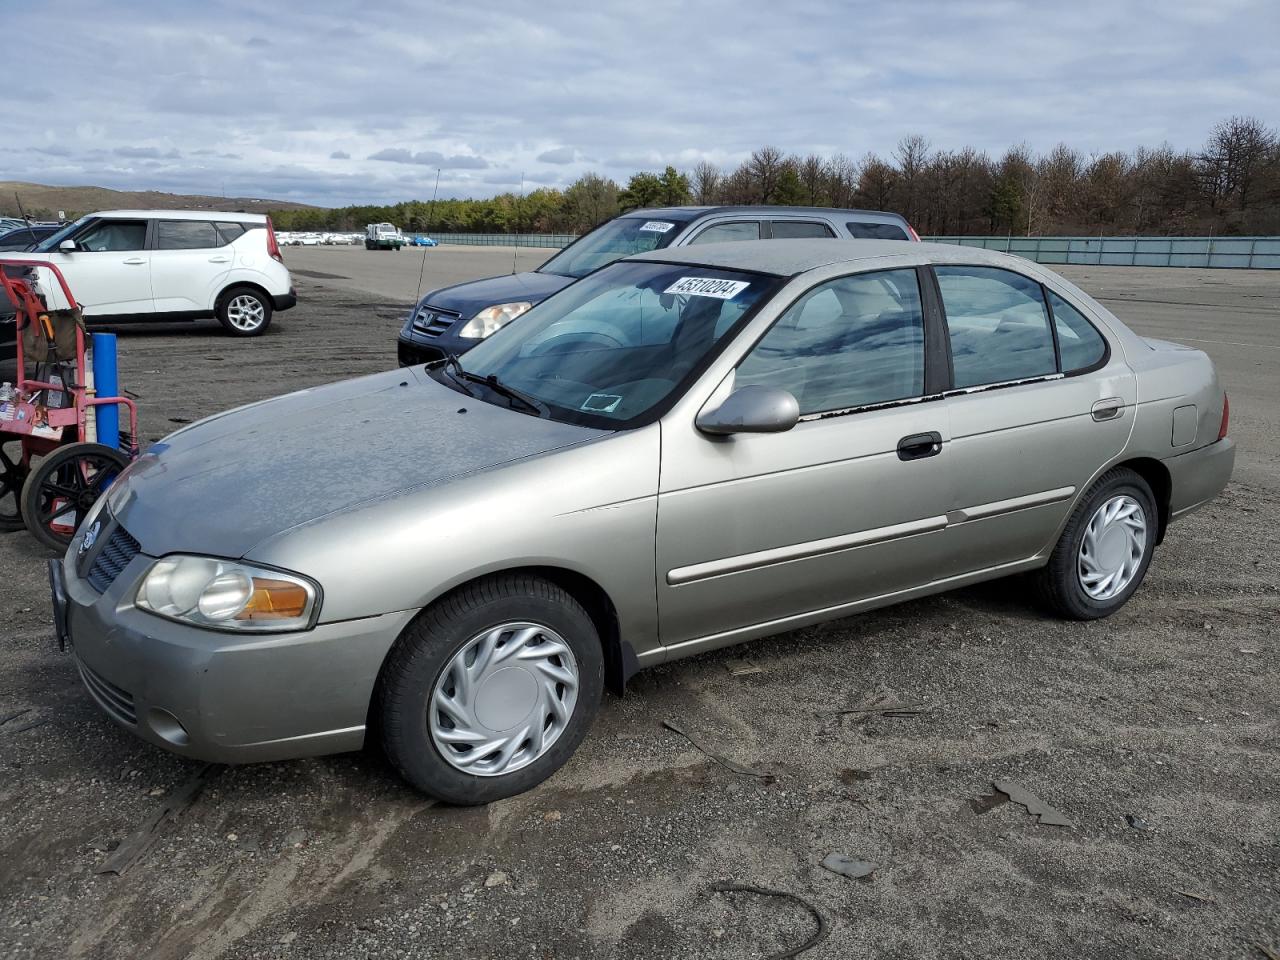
63, 488
12, 475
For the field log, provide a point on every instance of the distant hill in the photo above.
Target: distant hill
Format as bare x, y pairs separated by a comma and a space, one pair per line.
43, 202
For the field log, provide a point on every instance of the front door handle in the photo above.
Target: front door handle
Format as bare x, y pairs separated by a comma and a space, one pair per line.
135, 261
1107, 409
920, 445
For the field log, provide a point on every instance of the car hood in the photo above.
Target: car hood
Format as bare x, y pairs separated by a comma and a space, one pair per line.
222, 485
468, 299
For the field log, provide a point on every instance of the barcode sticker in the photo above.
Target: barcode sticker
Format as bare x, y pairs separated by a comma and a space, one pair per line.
708, 287
657, 226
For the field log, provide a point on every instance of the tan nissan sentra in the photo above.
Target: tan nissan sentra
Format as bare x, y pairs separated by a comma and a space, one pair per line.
683, 450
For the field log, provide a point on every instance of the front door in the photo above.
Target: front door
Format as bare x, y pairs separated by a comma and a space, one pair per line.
758, 531
110, 270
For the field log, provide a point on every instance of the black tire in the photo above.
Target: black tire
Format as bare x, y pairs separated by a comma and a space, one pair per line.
12, 477
237, 315
1059, 583
425, 649
67, 483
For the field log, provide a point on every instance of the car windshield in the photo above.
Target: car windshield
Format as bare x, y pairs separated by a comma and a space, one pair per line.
612, 241
49, 244
613, 349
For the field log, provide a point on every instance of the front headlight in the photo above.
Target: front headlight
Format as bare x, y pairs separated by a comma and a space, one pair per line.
492, 319
226, 595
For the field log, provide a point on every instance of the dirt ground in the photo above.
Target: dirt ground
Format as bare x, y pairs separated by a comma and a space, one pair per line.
1168, 712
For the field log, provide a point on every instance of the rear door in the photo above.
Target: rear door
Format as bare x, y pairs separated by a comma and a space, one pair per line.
795, 229
1039, 404
110, 270
725, 231
190, 263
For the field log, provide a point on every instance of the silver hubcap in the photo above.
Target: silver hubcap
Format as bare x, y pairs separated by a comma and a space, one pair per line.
504, 699
1112, 549
245, 312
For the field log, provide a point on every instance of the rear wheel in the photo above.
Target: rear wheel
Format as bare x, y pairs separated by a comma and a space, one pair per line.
244, 311
1103, 554
490, 691
65, 486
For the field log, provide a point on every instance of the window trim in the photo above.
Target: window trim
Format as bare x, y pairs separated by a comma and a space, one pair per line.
953, 390
703, 228
866, 407
1106, 343
767, 227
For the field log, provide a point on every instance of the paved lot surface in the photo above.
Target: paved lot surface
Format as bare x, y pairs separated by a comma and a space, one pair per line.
1168, 712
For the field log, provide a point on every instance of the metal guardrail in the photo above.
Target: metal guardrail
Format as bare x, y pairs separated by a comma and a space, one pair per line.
556, 240
1259, 253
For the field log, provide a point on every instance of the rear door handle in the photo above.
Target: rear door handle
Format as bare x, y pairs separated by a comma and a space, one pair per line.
135, 261
1107, 409
219, 259
920, 445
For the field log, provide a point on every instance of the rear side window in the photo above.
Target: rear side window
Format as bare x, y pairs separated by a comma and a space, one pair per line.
850, 342
725, 232
998, 325
186, 235
228, 232
1079, 343
875, 231
799, 230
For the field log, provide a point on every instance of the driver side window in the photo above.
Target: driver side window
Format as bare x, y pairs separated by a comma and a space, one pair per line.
114, 236
850, 342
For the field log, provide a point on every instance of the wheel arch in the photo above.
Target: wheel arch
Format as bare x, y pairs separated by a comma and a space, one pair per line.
236, 285
620, 660
1161, 483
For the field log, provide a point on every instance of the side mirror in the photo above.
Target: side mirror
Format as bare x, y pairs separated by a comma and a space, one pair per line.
751, 409
67, 246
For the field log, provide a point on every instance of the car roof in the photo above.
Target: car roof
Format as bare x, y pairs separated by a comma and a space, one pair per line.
184, 215
686, 213
786, 258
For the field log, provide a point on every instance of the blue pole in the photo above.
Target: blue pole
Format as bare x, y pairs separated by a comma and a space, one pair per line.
106, 383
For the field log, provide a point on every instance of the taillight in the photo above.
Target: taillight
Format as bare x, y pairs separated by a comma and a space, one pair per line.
912, 230
273, 248
1226, 417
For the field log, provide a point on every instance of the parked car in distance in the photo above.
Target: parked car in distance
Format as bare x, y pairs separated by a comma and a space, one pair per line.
382, 236
565, 504
420, 241
452, 320
27, 236
166, 265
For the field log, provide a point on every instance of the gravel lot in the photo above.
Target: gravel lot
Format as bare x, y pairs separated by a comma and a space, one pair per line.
1167, 712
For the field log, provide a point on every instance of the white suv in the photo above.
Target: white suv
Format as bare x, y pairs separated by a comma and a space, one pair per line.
164, 265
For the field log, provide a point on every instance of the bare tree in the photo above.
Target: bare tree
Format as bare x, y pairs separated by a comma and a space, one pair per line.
707, 179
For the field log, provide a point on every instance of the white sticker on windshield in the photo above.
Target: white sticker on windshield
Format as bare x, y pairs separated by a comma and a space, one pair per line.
708, 287
657, 226
601, 403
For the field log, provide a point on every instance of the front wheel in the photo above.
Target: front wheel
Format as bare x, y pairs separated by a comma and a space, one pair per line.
1103, 554
489, 692
13, 473
244, 312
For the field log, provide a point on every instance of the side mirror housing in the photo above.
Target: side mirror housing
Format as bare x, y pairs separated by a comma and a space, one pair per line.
67, 246
751, 409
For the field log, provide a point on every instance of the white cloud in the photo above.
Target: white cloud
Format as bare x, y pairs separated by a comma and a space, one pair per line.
638, 87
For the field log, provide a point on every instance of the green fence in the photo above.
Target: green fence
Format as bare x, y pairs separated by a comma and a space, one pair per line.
556, 240
1262, 253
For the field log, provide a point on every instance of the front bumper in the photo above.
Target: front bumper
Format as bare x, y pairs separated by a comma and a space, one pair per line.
1199, 476
413, 346
223, 698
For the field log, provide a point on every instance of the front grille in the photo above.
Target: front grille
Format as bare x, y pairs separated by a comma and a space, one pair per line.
112, 699
433, 322
112, 558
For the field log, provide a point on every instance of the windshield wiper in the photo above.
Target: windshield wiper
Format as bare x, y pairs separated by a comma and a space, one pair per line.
497, 386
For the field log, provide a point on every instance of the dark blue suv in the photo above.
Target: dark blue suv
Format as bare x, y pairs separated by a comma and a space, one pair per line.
452, 320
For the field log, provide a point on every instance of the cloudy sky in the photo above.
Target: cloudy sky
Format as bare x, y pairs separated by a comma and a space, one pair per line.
336, 103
